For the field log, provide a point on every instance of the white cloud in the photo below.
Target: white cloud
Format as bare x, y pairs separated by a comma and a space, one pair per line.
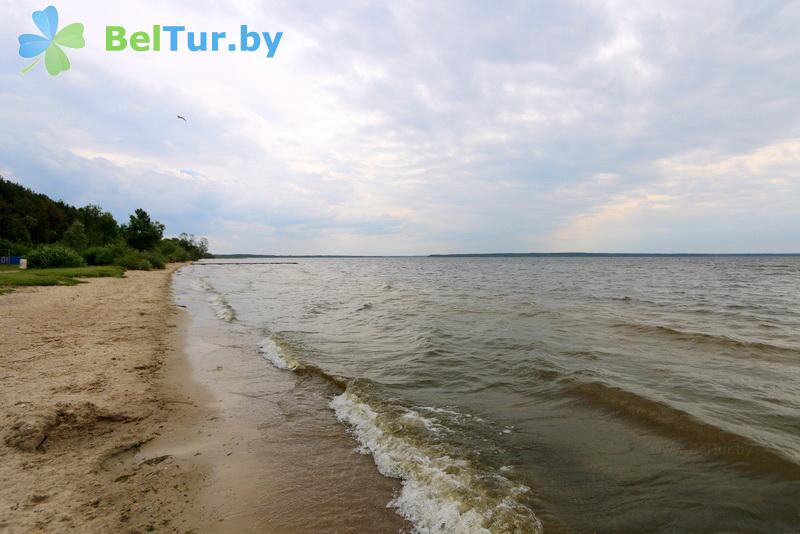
736, 195
419, 127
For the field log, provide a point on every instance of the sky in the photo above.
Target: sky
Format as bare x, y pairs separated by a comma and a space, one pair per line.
422, 127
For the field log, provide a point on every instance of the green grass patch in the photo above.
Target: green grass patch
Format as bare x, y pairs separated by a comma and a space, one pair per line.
68, 276
9, 268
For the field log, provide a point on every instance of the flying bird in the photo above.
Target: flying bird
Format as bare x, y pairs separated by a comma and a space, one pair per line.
182, 118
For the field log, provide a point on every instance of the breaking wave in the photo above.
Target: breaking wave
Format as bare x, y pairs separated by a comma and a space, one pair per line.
443, 490
219, 304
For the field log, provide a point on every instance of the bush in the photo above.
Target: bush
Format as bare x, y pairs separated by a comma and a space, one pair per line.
100, 255
172, 251
134, 260
105, 255
156, 259
54, 256
125, 256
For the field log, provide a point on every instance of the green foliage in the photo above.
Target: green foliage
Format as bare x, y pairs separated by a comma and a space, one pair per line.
141, 232
54, 256
101, 228
105, 255
75, 236
15, 249
172, 250
121, 254
156, 259
134, 260
195, 248
184, 248
54, 277
28, 219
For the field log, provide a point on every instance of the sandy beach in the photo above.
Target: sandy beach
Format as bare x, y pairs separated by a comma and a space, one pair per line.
82, 391
118, 416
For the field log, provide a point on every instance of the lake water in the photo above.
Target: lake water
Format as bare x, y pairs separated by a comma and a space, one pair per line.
613, 394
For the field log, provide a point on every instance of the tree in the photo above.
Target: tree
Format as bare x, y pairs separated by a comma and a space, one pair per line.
29, 217
196, 249
101, 228
75, 236
202, 244
141, 232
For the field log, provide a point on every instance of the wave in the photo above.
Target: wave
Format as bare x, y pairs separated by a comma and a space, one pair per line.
273, 353
282, 352
219, 304
685, 427
442, 491
671, 422
537, 313
701, 337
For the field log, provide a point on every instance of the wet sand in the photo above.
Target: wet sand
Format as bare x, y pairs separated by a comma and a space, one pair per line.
122, 412
278, 459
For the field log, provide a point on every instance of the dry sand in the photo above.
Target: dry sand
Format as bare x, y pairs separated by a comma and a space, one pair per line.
82, 389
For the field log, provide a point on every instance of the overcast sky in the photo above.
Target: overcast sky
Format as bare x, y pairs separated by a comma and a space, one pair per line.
426, 127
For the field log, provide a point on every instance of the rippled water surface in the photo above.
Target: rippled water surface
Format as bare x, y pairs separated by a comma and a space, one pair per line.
569, 394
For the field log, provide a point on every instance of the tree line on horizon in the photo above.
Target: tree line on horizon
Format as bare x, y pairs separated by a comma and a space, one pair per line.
53, 233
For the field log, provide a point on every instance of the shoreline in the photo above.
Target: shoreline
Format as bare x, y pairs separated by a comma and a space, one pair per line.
90, 376
129, 405
278, 459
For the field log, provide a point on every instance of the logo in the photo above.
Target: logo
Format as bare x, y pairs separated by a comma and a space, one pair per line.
50, 42
203, 41
175, 38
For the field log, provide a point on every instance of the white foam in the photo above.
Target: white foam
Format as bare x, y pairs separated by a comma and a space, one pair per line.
221, 307
201, 284
436, 409
439, 493
414, 418
273, 353
452, 413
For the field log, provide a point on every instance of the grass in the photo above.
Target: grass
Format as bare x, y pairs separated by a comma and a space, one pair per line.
55, 277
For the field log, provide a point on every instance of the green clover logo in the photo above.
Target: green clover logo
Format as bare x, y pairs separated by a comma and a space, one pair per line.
50, 42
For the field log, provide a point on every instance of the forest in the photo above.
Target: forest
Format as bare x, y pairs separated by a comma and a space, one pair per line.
52, 233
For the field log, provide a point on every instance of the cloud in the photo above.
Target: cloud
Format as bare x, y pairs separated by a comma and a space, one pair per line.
714, 201
418, 127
